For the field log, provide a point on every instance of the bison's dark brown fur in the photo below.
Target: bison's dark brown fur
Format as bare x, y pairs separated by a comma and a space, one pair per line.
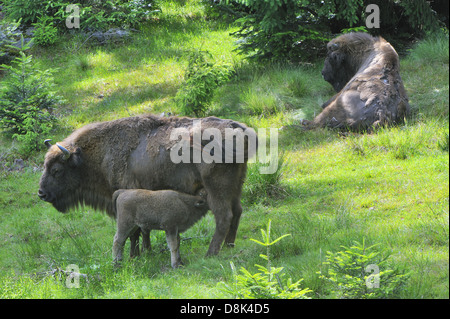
364, 70
135, 153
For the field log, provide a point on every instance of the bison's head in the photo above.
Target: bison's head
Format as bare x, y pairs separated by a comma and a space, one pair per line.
346, 54
60, 182
336, 68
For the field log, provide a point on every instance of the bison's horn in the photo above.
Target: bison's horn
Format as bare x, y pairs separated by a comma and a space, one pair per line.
65, 151
334, 47
47, 143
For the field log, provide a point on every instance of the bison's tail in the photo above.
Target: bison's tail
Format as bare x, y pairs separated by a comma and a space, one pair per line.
114, 201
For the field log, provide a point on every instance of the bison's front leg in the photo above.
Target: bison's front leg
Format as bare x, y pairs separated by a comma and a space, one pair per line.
236, 207
223, 216
224, 202
232, 232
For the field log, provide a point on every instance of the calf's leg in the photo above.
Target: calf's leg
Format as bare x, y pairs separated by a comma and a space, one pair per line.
173, 241
123, 232
117, 249
134, 246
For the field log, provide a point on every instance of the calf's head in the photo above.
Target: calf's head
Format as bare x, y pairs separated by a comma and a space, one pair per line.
202, 201
61, 179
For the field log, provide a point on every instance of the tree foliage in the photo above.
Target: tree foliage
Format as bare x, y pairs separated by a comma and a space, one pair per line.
362, 272
202, 77
298, 29
94, 14
27, 101
269, 283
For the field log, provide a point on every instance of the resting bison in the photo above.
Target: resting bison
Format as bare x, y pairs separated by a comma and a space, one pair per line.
364, 70
167, 210
100, 158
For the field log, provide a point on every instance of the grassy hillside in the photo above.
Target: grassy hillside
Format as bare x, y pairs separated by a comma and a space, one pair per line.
388, 188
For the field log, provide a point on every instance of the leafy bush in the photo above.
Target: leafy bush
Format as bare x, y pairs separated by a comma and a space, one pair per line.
353, 274
35, 127
100, 15
9, 35
45, 33
28, 11
94, 14
269, 283
27, 101
202, 77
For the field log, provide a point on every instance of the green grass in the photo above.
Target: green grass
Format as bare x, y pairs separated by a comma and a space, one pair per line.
389, 187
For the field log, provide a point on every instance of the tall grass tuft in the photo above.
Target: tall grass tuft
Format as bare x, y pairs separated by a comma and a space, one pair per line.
434, 49
401, 142
260, 187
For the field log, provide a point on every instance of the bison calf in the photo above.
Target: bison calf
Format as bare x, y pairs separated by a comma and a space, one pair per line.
168, 210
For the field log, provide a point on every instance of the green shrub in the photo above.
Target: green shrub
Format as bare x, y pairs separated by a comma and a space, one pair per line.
361, 272
34, 129
45, 33
9, 34
202, 77
269, 283
27, 101
94, 14
28, 11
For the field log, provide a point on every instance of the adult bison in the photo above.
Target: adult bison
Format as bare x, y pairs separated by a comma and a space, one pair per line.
100, 158
364, 70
